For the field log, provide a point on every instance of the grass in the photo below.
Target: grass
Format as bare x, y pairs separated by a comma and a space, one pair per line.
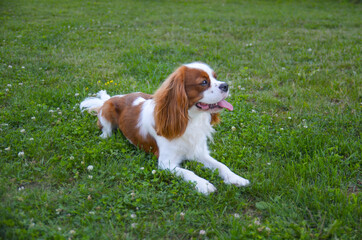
295, 72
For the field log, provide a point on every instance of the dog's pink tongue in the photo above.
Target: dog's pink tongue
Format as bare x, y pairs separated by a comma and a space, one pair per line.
225, 104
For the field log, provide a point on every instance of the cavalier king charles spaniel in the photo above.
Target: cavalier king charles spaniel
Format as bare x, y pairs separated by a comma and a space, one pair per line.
174, 123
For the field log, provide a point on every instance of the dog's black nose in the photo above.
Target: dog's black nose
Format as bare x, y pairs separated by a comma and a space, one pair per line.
224, 87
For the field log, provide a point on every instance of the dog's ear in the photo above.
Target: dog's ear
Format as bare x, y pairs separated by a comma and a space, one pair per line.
171, 106
215, 118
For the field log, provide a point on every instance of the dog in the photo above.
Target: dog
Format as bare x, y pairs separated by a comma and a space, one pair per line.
174, 123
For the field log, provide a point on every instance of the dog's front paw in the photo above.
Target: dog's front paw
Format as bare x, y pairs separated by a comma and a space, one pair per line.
205, 187
236, 180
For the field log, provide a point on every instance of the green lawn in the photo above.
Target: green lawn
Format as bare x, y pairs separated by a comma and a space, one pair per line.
295, 132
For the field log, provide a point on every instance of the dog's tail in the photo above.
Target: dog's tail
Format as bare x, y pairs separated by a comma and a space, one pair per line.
93, 104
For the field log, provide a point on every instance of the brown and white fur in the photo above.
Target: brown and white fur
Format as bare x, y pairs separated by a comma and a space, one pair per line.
174, 123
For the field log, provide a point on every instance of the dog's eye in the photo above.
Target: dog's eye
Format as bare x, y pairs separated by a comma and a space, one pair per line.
204, 83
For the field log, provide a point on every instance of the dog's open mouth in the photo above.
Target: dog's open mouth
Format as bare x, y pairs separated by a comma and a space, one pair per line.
215, 106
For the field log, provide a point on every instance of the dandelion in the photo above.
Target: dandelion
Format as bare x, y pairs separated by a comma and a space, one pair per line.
182, 215
90, 176
90, 168
202, 232
133, 195
153, 171
89, 197
233, 128
21, 154
133, 215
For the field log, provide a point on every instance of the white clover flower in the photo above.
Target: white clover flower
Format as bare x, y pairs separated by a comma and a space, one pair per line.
133, 215
268, 163
22, 130
71, 158
253, 111
305, 126
7, 149
33, 118
92, 213
9, 85
31, 139
31, 225
10, 66
142, 168
283, 68
309, 49
153, 171
133, 194
21, 188
21, 84
90, 176
22, 67
233, 128
236, 215
281, 129
182, 215
76, 95
90, 168
21, 154
51, 111
202, 232
72, 232
289, 118
134, 225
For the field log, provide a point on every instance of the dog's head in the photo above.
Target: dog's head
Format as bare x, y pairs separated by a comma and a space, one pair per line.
192, 85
